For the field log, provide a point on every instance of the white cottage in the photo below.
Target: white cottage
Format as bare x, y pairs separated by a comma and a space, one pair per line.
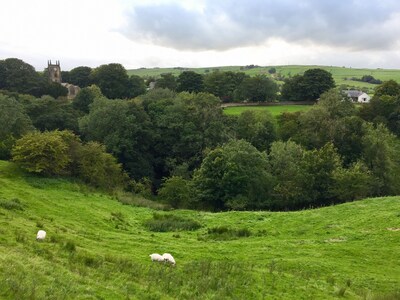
358, 96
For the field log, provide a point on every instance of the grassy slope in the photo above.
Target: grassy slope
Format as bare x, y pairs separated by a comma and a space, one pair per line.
338, 73
311, 254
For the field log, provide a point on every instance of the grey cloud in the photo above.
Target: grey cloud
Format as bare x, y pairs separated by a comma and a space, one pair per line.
225, 24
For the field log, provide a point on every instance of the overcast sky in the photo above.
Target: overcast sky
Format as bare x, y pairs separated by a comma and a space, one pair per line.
201, 33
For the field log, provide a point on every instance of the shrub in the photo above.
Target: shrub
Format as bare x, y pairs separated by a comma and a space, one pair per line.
225, 233
176, 192
164, 223
45, 153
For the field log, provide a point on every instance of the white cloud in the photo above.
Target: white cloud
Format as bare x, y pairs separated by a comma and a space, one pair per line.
196, 33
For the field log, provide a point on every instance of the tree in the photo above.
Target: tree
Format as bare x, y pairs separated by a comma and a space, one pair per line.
223, 84
14, 122
48, 114
388, 88
98, 168
287, 165
85, 97
257, 89
309, 86
54, 89
112, 80
79, 76
189, 81
18, 76
47, 153
176, 192
380, 154
257, 128
125, 129
272, 70
136, 86
167, 81
234, 176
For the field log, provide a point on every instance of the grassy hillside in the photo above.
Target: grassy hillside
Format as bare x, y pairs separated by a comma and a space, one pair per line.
340, 74
97, 248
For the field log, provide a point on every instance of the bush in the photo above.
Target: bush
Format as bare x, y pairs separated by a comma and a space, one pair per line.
45, 153
222, 233
176, 192
165, 223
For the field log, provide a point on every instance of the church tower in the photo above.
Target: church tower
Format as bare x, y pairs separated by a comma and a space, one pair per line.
54, 71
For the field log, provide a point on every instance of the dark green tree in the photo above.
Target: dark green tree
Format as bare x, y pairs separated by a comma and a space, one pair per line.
167, 81
112, 80
257, 89
388, 88
85, 97
79, 76
136, 86
258, 128
190, 81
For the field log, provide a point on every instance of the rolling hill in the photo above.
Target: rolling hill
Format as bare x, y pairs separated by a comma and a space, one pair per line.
341, 75
98, 248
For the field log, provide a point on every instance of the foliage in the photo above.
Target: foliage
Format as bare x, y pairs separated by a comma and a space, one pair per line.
85, 97
189, 81
18, 76
79, 76
235, 174
176, 191
125, 129
223, 84
256, 89
167, 81
388, 88
48, 114
112, 80
223, 233
136, 86
98, 168
257, 128
165, 223
308, 86
45, 153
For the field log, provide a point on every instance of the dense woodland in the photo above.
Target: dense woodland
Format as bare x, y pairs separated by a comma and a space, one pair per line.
174, 144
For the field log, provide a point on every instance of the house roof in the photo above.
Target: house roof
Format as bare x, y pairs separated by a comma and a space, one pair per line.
353, 93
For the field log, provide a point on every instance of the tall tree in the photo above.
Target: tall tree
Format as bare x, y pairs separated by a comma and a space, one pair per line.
190, 81
167, 81
257, 89
112, 80
79, 76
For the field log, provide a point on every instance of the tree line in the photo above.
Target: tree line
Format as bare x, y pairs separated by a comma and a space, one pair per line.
114, 83
182, 149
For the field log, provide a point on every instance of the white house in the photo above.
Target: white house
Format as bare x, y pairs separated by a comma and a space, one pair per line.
358, 96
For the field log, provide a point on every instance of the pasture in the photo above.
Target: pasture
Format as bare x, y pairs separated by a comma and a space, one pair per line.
341, 75
98, 248
275, 110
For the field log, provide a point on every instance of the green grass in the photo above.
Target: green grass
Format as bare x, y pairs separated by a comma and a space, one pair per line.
275, 110
341, 75
98, 248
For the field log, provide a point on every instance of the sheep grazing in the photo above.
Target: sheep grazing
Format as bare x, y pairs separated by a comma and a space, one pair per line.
41, 235
169, 259
156, 257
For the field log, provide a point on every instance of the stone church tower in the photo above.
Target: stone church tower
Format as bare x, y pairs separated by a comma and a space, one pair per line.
54, 71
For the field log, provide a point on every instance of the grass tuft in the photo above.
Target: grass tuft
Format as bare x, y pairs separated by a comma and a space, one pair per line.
166, 222
13, 204
223, 233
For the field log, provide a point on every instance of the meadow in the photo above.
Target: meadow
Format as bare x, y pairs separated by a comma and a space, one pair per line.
98, 248
341, 75
275, 110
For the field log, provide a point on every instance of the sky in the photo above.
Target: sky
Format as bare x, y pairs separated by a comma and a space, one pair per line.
201, 33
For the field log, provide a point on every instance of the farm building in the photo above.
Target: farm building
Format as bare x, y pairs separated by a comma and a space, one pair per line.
357, 96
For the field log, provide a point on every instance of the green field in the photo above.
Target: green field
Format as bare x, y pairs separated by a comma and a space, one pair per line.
97, 248
274, 110
340, 74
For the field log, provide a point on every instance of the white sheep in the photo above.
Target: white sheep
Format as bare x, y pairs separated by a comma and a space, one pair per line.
41, 235
156, 257
169, 259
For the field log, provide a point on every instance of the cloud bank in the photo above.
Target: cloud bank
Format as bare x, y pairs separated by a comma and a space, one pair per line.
228, 24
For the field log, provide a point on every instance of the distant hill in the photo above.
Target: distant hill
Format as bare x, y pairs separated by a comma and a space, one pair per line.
98, 248
341, 75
